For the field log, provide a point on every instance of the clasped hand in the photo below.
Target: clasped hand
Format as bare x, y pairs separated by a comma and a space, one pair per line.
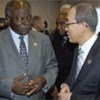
28, 88
64, 93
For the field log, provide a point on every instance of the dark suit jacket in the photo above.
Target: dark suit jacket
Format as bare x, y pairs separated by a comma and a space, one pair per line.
41, 62
64, 52
87, 84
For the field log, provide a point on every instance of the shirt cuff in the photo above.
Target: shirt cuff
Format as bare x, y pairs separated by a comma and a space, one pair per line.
45, 89
12, 95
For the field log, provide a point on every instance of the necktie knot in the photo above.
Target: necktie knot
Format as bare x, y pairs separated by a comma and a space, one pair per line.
80, 51
21, 37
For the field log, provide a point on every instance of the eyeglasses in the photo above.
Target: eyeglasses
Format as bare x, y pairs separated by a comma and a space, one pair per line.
67, 24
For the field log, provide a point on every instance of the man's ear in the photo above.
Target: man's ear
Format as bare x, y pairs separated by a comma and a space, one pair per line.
84, 26
7, 20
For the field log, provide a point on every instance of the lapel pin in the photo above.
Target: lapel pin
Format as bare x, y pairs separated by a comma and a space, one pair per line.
35, 44
89, 61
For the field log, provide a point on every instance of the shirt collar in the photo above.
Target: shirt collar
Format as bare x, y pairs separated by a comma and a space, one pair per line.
34, 29
88, 44
14, 34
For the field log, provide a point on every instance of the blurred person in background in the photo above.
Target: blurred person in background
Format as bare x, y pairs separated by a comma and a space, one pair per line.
64, 9
63, 50
38, 24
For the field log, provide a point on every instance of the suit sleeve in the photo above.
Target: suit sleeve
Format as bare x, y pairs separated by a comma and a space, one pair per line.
82, 97
85, 97
5, 88
5, 83
50, 63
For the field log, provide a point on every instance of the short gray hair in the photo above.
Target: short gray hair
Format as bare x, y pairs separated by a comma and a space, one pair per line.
10, 7
86, 13
65, 6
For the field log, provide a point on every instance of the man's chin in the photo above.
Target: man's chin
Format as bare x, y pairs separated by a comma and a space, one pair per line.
24, 33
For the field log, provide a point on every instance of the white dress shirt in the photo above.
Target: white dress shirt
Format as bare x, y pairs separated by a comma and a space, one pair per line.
34, 29
16, 39
85, 49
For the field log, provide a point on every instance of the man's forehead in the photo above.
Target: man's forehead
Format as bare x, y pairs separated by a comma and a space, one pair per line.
71, 13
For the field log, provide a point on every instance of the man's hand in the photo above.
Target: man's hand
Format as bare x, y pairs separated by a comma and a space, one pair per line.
20, 87
36, 85
64, 93
64, 96
64, 88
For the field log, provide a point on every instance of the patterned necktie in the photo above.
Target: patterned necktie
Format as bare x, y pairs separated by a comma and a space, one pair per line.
23, 52
79, 61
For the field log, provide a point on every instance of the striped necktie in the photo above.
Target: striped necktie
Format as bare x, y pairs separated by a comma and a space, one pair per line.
79, 61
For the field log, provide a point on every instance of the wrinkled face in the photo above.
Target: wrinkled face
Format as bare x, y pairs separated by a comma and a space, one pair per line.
20, 20
61, 27
73, 28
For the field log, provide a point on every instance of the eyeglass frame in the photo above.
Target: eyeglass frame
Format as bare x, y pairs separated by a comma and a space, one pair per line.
67, 24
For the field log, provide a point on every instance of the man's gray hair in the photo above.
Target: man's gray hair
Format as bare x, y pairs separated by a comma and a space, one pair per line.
65, 6
86, 12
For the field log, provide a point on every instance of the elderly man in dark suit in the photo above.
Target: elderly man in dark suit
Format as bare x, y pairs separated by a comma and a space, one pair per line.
84, 80
63, 50
27, 60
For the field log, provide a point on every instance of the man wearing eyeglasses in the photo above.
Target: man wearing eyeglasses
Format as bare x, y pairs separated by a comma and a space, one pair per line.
84, 79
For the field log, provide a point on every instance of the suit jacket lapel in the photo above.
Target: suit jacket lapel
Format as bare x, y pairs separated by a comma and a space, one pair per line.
71, 79
88, 64
9, 45
33, 50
